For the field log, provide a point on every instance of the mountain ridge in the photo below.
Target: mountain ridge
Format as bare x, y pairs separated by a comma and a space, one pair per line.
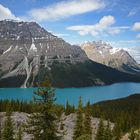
28, 53
117, 58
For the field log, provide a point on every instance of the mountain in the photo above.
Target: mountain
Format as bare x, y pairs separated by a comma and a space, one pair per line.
117, 58
28, 53
134, 52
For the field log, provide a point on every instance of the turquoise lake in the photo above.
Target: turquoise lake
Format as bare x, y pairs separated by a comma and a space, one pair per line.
92, 94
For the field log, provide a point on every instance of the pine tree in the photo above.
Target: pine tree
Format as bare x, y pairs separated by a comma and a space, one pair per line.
84, 137
42, 123
132, 135
8, 127
19, 134
100, 131
87, 120
117, 131
67, 110
79, 130
108, 132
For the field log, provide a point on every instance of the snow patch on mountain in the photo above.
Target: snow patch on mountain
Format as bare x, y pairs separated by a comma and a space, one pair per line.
114, 50
33, 47
7, 50
134, 52
117, 58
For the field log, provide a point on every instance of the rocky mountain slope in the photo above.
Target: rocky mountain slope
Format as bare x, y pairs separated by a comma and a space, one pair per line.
25, 47
28, 53
117, 58
134, 52
20, 119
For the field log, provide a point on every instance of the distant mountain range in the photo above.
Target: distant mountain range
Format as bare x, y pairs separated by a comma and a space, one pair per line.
117, 58
28, 53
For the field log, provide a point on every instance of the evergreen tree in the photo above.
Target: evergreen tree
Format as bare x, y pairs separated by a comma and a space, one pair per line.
42, 123
84, 137
132, 135
100, 131
19, 134
108, 132
78, 129
68, 108
87, 120
8, 127
117, 131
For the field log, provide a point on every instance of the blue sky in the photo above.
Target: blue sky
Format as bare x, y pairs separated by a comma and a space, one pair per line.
76, 21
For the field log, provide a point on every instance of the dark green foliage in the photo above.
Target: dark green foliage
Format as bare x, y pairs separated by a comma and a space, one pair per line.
100, 132
61, 126
8, 128
42, 123
83, 74
19, 134
84, 137
108, 133
16, 81
87, 120
123, 112
69, 109
79, 129
17, 106
117, 132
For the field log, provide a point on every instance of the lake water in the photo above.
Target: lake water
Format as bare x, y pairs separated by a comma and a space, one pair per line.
92, 94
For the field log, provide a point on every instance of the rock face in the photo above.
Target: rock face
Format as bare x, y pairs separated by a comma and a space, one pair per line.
134, 52
117, 58
25, 47
20, 119
28, 53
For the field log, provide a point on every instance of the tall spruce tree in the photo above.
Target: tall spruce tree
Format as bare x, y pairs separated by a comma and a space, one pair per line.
8, 133
78, 129
108, 133
87, 121
19, 134
100, 131
117, 131
42, 123
69, 109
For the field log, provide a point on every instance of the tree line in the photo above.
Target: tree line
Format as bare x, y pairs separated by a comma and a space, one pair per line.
44, 113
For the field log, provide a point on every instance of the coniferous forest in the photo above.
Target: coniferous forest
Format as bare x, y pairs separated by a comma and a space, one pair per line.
45, 115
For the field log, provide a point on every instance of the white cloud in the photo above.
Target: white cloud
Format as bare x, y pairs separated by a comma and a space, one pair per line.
136, 26
106, 21
114, 31
133, 11
65, 9
5, 13
138, 36
104, 25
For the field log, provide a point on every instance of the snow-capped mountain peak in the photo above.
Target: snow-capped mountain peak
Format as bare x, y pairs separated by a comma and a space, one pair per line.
104, 53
